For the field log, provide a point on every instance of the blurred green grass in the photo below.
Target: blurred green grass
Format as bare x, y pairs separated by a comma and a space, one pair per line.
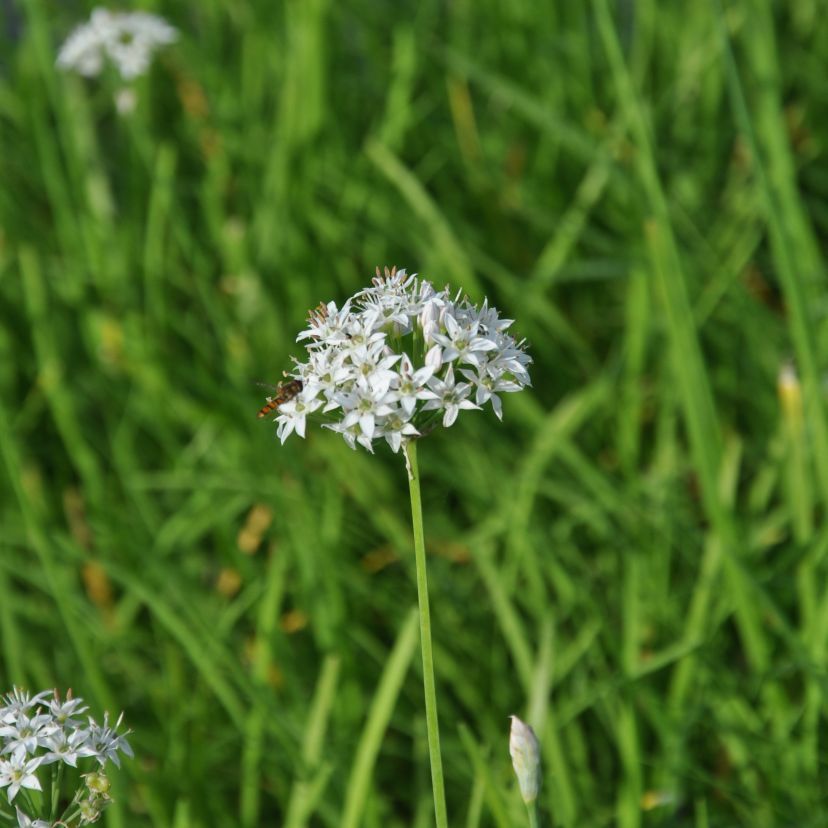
635, 559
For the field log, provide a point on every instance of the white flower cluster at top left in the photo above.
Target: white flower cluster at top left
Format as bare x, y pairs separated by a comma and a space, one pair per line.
128, 40
397, 358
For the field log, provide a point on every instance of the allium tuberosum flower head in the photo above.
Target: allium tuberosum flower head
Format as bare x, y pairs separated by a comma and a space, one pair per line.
397, 359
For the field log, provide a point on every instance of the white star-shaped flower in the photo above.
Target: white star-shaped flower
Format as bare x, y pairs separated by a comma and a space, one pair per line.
25, 821
293, 414
103, 742
396, 427
64, 746
17, 773
449, 396
25, 734
462, 342
411, 385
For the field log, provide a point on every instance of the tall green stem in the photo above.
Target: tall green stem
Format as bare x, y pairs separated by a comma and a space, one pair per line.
410, 448
534, 822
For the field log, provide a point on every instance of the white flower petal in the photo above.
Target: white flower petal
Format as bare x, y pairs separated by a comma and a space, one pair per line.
366, 423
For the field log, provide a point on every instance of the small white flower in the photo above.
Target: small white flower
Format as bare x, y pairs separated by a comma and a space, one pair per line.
82, 52
509, 360
19, 701
365, 404
25, 734
352, 434
462, 342
391, 311
449, 396
65, 747
324, 374
487, 387
373, 364
395, 427
326, 324
18, 773
394, 284
411, 385
361, 330
24, 821
293, 415
490, 319
63, 712
103, 742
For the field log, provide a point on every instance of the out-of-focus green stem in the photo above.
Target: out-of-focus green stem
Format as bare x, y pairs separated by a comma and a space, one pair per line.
432, 724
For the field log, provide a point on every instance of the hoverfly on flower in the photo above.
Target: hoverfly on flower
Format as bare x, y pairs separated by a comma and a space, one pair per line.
285, 391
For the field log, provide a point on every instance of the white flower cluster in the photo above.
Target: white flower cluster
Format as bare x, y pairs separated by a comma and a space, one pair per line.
41, 730
127, 39
396, 357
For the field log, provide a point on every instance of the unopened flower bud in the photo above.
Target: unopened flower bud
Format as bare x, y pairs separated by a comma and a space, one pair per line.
790, 395
125, 100
89, 811
525, 751
98, 783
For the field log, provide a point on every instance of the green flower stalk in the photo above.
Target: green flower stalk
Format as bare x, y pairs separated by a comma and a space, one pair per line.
429, 685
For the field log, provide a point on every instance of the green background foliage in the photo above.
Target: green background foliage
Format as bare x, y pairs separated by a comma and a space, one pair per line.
634, 560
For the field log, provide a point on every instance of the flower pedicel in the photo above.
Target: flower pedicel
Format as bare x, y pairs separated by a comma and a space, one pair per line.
396, 359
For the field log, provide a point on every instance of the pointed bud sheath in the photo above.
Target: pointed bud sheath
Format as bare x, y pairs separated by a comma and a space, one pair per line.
434, 358
525, 751
790, 395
